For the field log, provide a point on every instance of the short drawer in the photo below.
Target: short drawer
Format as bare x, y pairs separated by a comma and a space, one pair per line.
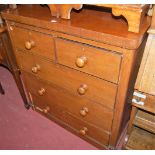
78, 83
82, 128
95, 61
32, 41
24, 60
82, 108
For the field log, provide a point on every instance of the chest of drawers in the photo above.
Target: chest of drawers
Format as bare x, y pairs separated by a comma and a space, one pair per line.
77, 73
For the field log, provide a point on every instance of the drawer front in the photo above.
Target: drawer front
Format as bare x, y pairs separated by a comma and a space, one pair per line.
80, 84
82, 128
80, 107
25, 60
95, 61
33, 41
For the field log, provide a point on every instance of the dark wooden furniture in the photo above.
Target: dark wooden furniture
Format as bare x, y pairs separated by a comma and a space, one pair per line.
78, 72
141, 130
7, 58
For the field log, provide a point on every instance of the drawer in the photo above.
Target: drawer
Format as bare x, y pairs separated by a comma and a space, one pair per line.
24, 60
33, 41
76, 82
80, 107
95, 61
82, 128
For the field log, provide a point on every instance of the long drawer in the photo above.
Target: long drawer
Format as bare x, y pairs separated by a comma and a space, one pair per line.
33, 41
80, 107
95, 61
80, 127
78, 83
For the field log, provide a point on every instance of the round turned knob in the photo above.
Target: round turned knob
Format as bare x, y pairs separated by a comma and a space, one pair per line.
29, 44
11, 28
84, 111
46, 110
81, 61
83, 131
41, 91
36, 68
82, 89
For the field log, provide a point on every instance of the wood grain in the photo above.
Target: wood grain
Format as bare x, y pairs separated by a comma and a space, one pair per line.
143, 116
141, 140
97, 59
56, 96
134, 14
99, 90
91, 27
145, 121
7, 59
101, 137
113, 56
146, 77
43, 44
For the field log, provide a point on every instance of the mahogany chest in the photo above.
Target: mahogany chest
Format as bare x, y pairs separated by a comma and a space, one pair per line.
78, 72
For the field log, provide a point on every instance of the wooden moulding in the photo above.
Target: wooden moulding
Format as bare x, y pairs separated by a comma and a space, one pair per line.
134, 14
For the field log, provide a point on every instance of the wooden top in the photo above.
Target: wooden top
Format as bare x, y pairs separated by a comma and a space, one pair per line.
89, 24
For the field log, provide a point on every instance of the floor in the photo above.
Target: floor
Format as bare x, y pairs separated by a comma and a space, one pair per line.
22, 129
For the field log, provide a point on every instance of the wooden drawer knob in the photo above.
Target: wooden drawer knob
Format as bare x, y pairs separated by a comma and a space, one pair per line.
36, 68
84, 111
29, 44
41, 91
81, 61
82, 89
83, 131
46, 110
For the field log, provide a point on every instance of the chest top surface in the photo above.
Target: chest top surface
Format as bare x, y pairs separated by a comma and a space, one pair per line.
88, 23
